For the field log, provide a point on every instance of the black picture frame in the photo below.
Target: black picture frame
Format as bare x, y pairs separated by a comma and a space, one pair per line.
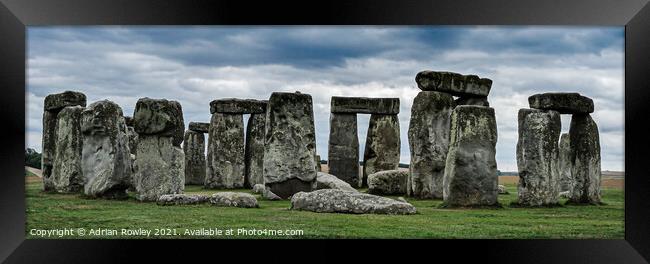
16, 15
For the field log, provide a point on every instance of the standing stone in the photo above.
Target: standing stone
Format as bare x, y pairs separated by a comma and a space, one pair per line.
318, 165
388, 182
343, 149
254, 152
471, 169
49, 143
584, 145
194, 149
160, 168
225, 160
106, 162
429, 142
566, 180
537, 157
66, 171
133, 139
382, 145
290, 144
159, 117
52, 104
160, 162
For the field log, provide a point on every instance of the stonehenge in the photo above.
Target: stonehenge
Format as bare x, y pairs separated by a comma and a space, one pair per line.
67, 175
159, 160
548, 167
537, 157
382, 142
290, 144
452, 141
194, 149
106, 160
52, 105
226, 159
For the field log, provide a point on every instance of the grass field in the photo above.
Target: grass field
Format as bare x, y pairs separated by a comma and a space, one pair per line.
58, 211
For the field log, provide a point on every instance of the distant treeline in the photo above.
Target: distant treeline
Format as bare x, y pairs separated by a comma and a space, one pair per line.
32, 158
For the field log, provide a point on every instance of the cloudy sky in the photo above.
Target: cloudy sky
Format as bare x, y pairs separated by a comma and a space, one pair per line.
196, 65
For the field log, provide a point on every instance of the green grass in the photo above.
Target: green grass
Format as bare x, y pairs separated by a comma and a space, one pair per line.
57, 211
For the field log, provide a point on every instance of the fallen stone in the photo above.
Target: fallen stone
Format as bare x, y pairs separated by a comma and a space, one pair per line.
565, 103
471, 171
269, 195
566, 180
259, 188
537, 157
238, 106
194, 149
181, 199
56, 102
225, 159
339, 201
199, 127
160, 168
159, 117
428, 137
67, 175
105, 155
388, 182
364, 105
234, 199
329, 181
453, 83
502, 189
479, 101
382, 145
584, 142
290, 144
254, 150
343, 148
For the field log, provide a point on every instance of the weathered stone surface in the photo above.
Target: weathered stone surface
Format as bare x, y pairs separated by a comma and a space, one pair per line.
199, 127
584, 143
238, 106
56, 102
566, 179
318, 164
428, 137
181, 199
160, 117
537, 157
234, 199
106, 159
133, 139
259, 188
453, 83
194, 149
329, 181
339, 201
343, 148
382, 145
128, 120
66, 171
364, 105
479, 101
565, 103
225, 159
502, 189
471, 169
254, 150
388, 182
269, 195
160, 168
565, 194
290, 144
48, 145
